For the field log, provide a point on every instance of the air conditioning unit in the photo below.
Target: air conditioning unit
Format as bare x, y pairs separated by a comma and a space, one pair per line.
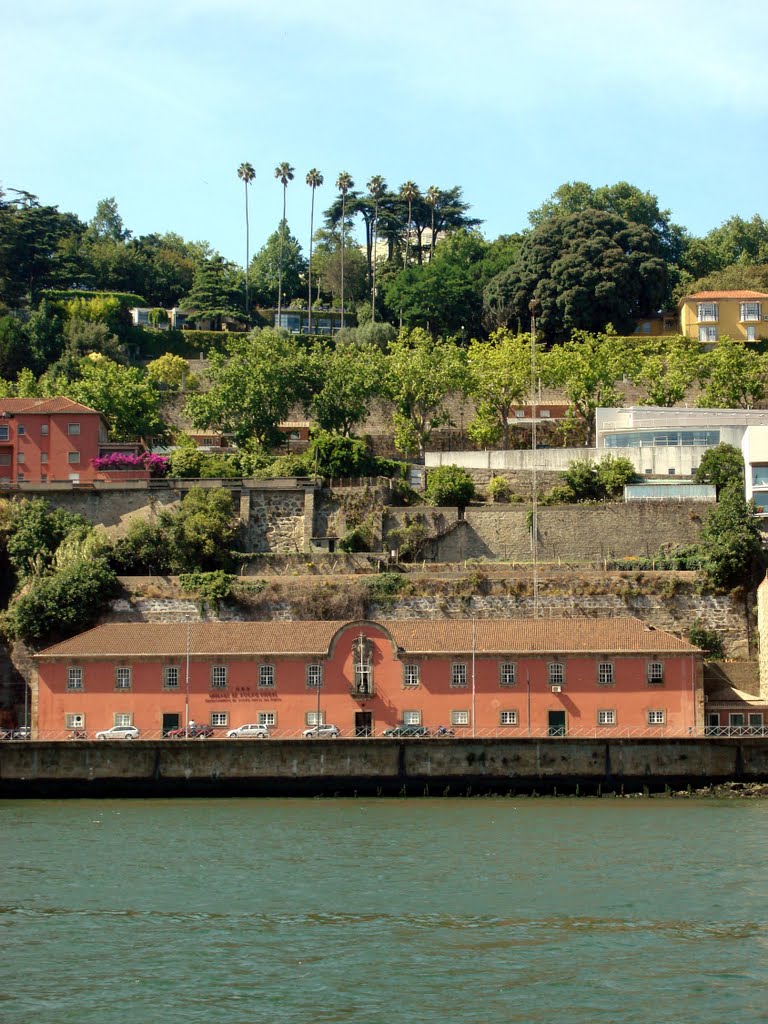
556, 688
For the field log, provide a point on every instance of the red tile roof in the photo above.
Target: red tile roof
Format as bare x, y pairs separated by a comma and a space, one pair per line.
43, 405
725, 295
413, 636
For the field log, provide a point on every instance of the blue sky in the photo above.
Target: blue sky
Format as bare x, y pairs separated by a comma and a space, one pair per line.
158, 103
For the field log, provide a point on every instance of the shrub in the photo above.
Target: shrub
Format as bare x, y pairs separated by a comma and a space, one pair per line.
384, 587
499, 489
709, 640
35, 532
613, 472
721, 466
449, 485
338, 456
156, 464
212, 587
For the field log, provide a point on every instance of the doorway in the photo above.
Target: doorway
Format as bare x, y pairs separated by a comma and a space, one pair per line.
556, 723
363, 723
170, 722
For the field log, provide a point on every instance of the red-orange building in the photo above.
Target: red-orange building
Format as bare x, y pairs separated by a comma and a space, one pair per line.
49, 440
485, 677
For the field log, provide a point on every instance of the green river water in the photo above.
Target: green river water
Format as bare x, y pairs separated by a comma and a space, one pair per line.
487, 910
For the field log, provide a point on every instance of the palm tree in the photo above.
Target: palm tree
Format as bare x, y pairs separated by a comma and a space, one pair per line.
246, 174
432, 196
284, 172
408, 191
314, 180
376, 188
343, 183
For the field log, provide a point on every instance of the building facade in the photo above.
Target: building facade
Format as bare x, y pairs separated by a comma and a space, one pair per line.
486, 677
48, 440
709, 316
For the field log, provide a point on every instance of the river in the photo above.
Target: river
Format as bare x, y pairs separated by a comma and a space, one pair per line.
383, 911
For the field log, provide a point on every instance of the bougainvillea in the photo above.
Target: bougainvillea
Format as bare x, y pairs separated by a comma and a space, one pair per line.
156, 464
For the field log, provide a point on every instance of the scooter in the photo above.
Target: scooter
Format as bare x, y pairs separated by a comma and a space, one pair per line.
442, 731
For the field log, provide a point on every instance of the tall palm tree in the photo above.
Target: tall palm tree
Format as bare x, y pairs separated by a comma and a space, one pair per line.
284, 172
246, 174
408, 191
432, 196
343, 183
314, 180
376, 188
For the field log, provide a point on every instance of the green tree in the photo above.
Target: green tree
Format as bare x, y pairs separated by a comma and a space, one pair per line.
246, 174
123, 394
314, 180
169, 370
409, 191
337, 456
667, 372
377, 188
345, 379
449, 485
344, 183
284, 172
274, 276
587, 368
200, 533
731, 542
253, 384
420, 374
107, 222
499, 377
36, 530
214, 293
15, 351
731, 376
722, 466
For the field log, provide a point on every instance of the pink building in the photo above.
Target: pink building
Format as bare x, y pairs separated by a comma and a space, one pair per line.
516, 677
45, 440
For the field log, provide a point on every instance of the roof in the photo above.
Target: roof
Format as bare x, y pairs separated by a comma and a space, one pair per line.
742, 294
44, 406
412, 636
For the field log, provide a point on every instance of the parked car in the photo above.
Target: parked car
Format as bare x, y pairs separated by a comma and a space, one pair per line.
194, 731
119, 732
407, 731
251, 731
321, 732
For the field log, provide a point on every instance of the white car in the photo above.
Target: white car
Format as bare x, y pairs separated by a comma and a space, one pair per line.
119, 732
322, 732
251, 731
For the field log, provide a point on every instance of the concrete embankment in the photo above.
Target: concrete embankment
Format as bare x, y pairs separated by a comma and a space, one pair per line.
456, 767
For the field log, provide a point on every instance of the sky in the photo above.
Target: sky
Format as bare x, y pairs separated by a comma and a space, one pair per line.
158, 103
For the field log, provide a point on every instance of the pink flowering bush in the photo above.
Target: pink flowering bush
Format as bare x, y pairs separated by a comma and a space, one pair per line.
156, 464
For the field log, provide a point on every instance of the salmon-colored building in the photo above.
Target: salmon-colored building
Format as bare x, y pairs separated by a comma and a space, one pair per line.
47, 440
485, 677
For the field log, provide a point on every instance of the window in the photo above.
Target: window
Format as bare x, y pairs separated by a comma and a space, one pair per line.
507, 718
218, 676
459, 718
315, 718
266, 676
459, 674
756, 720
267, 718
21, 457
751, 332
74, 720
657, 717
74, 678
314, 676
20, 477
556, 673
507, 674
5, 459
411, 718
171, 677
750, 311
655, 673
44, 429
73, 458
73, 429
122, 678
520, 413
606, 717
411, 675
123, 719
219, 718
21, 430
707, 312
44, 457
736, 721
605, 673
4, 433
545, 414
707, 334
671, 471
712, 724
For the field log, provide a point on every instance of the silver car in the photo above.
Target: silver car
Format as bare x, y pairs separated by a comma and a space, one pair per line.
119, 732
252, 731
321, 732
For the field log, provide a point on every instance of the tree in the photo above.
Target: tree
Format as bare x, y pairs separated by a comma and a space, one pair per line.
200, 533
344, 183
586, 270
668, 371
15, 352
449, 485
107, 222
431, 197
420, 374
214, 293
246, 174
731, 542
377, 187
499, 376
443, 211
284, 172
123, 394
587, 368
336, 456
253, 384
345, 379
409, 191
335, 267
722, 466
314, 180
278, 268
169, 370
731, 376
35, 533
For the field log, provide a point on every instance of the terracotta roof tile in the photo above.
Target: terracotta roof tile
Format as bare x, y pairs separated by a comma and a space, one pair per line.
725, 295
43, 405
414, 636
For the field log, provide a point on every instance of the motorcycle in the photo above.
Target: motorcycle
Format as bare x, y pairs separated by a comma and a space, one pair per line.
78, 734
442, 731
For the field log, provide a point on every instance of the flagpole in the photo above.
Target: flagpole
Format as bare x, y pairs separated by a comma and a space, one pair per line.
473, 677
186, 688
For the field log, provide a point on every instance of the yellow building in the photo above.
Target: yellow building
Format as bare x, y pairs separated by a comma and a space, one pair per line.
741, 315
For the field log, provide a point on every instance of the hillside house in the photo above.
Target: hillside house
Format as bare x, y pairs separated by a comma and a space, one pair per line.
47, 440
708, 316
